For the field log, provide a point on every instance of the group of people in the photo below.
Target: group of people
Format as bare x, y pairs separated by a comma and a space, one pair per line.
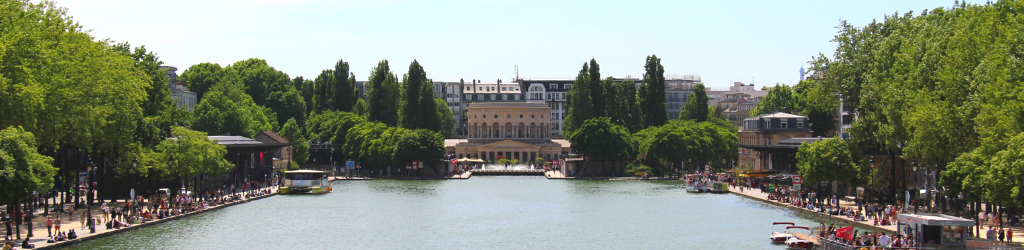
999, 236
867, 240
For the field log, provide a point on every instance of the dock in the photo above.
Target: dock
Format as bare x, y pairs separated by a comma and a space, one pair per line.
508, 171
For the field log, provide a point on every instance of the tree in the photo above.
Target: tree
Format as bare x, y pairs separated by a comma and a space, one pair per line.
412, 83
827, 160
226, 109
819, 104
779, 99
696, 107
22, 169
580, 106
159, 96
652, 103
383, 95
447, 119
599, 139
201, 77
70, 91
343, 94
322, 92
596, 89
270, 88
188, 154
293, 133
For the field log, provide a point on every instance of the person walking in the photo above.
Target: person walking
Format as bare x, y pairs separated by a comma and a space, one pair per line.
82, 220
1002, 236
49, 227
56, 224
1009, 236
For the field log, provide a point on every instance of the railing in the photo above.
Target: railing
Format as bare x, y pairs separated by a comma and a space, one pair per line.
834, 245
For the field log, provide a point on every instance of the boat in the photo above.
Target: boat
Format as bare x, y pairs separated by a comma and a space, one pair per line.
305, 182
797, 243
696, 183
781, 237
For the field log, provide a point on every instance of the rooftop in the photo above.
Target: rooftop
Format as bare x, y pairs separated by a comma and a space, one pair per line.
507, 105
775, 115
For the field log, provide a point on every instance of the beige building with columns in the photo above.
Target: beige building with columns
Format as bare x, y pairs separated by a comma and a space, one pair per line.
512, 130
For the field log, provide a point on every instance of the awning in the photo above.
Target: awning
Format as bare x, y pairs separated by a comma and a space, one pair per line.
464, 159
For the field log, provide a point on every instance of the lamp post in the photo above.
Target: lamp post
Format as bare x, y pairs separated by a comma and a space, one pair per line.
92, 185
31, 212
913, 166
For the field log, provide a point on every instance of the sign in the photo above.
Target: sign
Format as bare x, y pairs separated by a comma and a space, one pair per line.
798, 180
408, 167
420, 164
707, 168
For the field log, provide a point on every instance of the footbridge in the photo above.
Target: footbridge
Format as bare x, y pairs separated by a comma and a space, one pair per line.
507, 171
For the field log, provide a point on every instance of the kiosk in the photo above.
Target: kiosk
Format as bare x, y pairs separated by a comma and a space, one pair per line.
935, 229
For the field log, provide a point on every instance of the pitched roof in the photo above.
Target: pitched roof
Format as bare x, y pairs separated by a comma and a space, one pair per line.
272, 136
775, 115
507, 105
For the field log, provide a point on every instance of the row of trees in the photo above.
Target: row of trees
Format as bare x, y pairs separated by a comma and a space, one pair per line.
939, 91
67, 96
610, 120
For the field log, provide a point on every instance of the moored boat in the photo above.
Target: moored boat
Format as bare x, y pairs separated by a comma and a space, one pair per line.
781, 237
797, 243
305, 182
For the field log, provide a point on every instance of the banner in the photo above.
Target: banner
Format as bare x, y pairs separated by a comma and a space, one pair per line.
845, 233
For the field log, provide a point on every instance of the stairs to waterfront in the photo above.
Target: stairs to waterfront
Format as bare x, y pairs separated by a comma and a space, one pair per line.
507, 171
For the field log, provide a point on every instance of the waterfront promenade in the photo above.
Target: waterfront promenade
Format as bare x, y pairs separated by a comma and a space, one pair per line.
40, 234
756, 194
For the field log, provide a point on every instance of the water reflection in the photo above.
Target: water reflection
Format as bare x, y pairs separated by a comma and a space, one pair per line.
484, 212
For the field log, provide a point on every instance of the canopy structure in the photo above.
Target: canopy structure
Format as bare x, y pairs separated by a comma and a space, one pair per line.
757, 173
464, 159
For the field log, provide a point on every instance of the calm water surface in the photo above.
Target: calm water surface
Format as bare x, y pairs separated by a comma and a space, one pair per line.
480, 213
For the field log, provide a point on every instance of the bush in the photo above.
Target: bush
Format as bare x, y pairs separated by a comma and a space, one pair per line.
637, 169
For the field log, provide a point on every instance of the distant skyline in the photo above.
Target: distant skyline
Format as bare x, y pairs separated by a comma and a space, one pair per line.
756, 42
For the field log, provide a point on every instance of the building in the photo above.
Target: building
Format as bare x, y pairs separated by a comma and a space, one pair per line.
476, 91
251, 159
282, 157
551, 92
451, 92
179, 90
766, 141
511, 130
677, 91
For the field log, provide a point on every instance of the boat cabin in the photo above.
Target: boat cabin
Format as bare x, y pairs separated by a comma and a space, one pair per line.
935, 229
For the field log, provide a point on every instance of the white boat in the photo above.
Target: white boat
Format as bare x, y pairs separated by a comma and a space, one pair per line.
781, 237
797, 243
696, 183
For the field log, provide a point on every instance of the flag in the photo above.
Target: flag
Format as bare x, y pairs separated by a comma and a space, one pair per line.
845, 233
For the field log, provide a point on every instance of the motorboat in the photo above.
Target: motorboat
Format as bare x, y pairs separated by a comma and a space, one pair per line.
797, 243
696, 183
305, 182
781, 237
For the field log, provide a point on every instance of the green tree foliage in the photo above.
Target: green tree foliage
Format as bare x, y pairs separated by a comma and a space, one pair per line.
226, 109
447, 119
331, 126
360, 108
322, 91
712, 142
596, 89
270, 88
412, 85
22, 169
819, 104
293, 133
599, 139
192, 154
66, 88
696, 107
377, 145
343, 94
827, 160
779, 99
652, 94
159, 94
305, 88
383, 95
200, 77
580, 106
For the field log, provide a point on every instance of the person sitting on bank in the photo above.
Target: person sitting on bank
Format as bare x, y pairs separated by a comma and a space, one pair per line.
8, 246
26, 245
51, 240
72, 235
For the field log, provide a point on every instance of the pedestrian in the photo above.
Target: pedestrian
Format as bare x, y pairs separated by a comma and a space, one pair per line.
56, 224
10, 232
990, 234
1002, 236
982, 219
82, 220
1009, 236
49, 227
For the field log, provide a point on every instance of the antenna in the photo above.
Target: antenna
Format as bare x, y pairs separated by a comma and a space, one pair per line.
517, 71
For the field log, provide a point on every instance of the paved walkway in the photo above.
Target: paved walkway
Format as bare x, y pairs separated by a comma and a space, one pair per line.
1018, 231
40, 234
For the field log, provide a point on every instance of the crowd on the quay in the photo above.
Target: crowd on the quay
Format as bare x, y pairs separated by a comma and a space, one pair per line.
140, 209
877, 214
831, 234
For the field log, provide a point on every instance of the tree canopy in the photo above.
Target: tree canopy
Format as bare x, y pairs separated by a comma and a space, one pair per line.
22, 169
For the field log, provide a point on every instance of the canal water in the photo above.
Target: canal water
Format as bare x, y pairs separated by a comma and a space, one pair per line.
484, 212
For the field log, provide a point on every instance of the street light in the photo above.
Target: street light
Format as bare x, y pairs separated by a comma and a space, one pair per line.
92, 181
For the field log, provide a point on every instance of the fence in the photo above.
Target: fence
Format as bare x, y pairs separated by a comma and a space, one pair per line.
834, 245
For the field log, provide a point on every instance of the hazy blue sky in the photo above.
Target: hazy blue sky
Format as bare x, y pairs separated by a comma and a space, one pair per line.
764, 42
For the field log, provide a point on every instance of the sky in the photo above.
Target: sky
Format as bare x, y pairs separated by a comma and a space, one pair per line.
760, 42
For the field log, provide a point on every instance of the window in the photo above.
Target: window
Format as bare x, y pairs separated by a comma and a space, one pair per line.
568, 86
503, 89
479, 97
552, 86
784, 123
495, 116
800, 123
468, 88
520, 116
508, 116
563, 96
533, 116
479, 88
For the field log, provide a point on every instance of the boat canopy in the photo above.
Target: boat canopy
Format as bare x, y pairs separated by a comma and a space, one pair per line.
798, 227
784, 223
